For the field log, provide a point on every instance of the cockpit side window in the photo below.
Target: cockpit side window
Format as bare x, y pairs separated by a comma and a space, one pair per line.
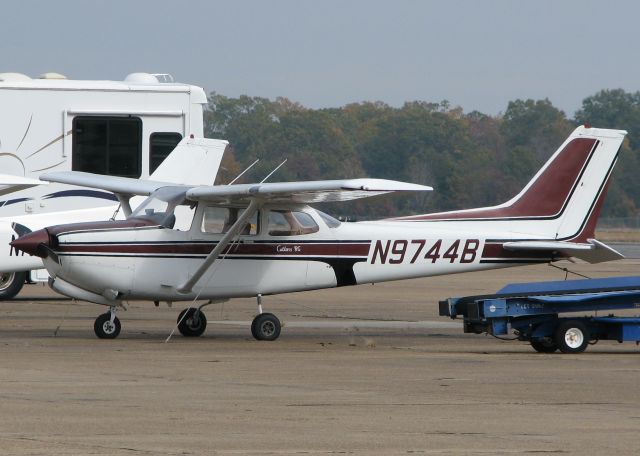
184, 217
218, 220
290, 223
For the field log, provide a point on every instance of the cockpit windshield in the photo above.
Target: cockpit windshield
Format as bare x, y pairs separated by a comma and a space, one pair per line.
331, 222
159, 207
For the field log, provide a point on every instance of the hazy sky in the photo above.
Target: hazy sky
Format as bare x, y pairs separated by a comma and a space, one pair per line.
476, 54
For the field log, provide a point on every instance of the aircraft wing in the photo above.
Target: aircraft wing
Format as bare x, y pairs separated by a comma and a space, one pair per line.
593, 252
303, 192
119, 185
10, 183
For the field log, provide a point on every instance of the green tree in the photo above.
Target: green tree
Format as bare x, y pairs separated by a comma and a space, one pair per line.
618, 109
470, 159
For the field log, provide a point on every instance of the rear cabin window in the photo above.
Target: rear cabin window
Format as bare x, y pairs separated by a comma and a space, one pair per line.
218, 220
160, 146
108, 145
291, 223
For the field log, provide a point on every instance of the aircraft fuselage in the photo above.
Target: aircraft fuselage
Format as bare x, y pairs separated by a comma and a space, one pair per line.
138, 260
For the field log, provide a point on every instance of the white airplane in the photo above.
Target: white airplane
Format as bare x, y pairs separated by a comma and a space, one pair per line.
51, 123
193, 162
253, 240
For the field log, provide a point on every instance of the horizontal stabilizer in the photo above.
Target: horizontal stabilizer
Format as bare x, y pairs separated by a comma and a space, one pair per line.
593, 251
10, 183
194, 161
118, 185
304, 192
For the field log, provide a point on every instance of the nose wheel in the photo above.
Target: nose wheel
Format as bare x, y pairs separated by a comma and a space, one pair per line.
107, 325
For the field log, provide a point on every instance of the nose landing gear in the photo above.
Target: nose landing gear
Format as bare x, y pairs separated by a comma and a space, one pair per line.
107, 325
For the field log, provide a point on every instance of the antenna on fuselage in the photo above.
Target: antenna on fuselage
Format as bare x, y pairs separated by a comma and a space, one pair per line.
271, 173
246, 169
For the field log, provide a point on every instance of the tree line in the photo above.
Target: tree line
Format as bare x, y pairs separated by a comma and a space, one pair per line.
471, 159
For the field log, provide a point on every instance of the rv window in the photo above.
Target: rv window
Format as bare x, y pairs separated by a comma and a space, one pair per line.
160, 146
218, 220
108, 145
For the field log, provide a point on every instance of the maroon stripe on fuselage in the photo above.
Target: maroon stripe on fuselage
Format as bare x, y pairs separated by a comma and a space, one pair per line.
286, 249
546, 196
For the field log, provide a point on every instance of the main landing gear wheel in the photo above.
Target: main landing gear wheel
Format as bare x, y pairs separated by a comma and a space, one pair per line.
544, 345
11, 283
192, 322
572, 336
266, 326
103, 327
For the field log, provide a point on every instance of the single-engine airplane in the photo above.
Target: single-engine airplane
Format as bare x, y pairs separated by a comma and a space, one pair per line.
194, 161
252, 240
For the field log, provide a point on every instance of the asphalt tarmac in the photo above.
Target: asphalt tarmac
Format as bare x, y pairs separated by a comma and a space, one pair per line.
368, 370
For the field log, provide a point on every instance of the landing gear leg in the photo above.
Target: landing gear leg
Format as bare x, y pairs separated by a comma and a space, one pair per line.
265, 326
107, 325
253, 323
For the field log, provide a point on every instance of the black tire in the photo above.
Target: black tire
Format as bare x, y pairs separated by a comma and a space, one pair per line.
103, 327
266, 326
11, 283
253, 328
544, 345
572, 336
192, 322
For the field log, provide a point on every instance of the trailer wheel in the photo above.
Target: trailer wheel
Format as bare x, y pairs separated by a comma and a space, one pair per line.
11, 283
572, 336
544, 345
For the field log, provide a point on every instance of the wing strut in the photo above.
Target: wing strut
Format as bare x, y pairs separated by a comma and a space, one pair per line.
124, 203
224, 242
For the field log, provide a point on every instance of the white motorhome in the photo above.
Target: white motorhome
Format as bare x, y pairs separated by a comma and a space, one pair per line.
119, 128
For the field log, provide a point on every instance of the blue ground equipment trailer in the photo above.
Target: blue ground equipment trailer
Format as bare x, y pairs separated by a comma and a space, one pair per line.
537, 312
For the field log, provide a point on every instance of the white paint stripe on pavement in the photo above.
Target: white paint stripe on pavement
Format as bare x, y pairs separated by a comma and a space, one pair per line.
346, 324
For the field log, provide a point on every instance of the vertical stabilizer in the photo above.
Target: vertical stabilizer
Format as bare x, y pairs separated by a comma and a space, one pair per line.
194, 161
563, 200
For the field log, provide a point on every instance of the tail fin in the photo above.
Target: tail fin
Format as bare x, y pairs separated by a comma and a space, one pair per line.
564, 199
194, 161
577, 222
